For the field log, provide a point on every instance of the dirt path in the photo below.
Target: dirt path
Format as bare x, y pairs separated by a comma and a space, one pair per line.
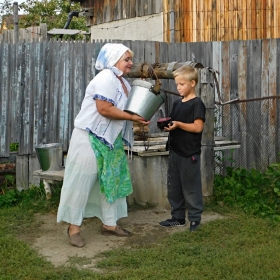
51, 239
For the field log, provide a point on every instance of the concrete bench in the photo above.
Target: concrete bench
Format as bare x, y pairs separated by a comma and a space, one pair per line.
49, 177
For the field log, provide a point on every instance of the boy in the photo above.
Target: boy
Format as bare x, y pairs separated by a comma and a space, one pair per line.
184, 142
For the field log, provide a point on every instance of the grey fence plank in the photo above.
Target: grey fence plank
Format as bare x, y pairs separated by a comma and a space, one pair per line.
253, 90
272, 109
52, 94
16, 97
4, 99
27, 98
216, 62
79, 90
64, 97
46, 92
242, 90
235, 129
163, 58
208, 50
277, 129
265, 84
39, 109
172, 57
225, 86
53, 98
150, 54
71, 87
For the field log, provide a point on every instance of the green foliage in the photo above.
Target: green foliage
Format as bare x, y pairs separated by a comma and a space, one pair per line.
9, 198
52, 12
253, 191
14, 147
8, 194
32, 198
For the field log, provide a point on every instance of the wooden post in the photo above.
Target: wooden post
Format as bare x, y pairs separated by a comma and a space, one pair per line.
207, 94
22, 172
15, 4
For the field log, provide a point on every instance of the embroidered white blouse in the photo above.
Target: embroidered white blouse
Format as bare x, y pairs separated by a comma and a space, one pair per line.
105, 86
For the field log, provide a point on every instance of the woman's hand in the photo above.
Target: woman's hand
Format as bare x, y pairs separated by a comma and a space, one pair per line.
108, 110
139, 119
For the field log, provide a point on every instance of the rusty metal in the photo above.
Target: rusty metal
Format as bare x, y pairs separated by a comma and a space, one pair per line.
248, 100
170, 92
237, 100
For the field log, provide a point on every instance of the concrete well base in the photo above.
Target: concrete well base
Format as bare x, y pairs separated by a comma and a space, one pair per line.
149, 180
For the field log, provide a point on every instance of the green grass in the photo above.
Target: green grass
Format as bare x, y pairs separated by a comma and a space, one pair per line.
239, 246
236, 247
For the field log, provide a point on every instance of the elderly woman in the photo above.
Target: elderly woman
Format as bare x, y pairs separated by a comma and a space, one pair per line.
97, 178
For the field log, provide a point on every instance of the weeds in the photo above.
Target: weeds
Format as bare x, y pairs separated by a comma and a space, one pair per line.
252, 191
14, 147
33, 198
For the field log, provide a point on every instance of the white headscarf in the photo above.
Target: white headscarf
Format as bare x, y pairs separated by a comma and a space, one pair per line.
109, 55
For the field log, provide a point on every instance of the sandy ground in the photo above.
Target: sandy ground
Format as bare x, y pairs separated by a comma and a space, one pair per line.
51, 241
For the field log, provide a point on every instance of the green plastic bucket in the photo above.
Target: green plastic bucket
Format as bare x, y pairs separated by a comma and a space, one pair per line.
50, 156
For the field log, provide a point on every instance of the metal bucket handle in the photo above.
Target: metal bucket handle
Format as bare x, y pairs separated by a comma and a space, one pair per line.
157, 86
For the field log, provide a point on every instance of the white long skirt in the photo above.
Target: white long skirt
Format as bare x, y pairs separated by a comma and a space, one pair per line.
80, 194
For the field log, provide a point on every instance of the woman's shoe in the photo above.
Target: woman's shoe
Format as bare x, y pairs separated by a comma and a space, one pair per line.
76, 239
118, 231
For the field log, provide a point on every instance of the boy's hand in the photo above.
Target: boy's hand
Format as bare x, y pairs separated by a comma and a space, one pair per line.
171, 126
195, 127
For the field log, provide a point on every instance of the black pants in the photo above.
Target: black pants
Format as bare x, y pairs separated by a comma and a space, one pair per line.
184, 187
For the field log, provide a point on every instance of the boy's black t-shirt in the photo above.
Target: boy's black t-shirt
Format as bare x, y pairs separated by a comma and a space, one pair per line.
182, 142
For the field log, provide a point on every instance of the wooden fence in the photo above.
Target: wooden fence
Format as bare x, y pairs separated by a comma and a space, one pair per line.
29, 34
42, 85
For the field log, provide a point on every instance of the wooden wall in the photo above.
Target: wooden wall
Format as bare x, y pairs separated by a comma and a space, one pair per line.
198, 20
222, 20
112, 10
194, 20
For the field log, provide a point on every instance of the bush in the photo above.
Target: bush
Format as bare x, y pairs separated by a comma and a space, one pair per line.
251, 190
32, 198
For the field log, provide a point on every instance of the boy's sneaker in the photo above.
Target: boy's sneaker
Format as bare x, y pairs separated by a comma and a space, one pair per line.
194, 225
172, 223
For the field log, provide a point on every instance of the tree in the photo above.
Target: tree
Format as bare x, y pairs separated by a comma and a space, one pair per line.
5, 10
52, 12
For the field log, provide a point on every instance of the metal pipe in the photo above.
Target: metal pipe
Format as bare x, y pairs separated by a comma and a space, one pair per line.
70, 16
248, 100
